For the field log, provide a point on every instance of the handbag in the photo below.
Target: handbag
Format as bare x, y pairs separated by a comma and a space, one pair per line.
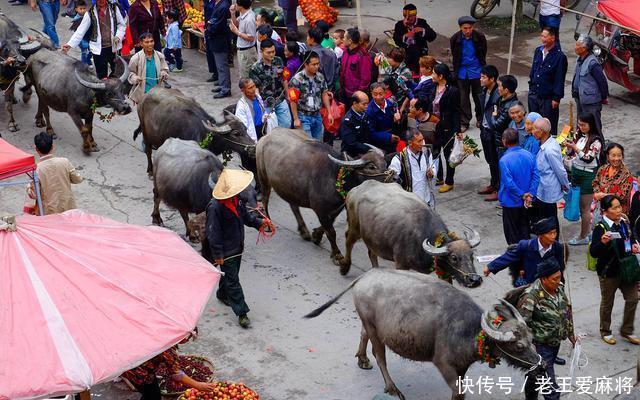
592, 262
572, 204
628, 266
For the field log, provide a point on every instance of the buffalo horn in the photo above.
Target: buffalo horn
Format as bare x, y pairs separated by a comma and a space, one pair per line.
472, 236
350, 163
90, 85
216, 128
374, 148
434, 251
125, 74
492, 332
233, 116
514, 311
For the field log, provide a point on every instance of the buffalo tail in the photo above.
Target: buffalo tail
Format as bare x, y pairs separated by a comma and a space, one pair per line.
328, 304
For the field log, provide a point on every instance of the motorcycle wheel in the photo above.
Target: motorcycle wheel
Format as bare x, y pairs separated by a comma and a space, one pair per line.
480, 8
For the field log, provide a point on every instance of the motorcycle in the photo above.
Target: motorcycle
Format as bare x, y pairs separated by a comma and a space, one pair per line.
481, 8
617, 48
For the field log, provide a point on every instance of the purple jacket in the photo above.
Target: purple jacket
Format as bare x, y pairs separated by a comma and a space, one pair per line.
355, 72
140, 21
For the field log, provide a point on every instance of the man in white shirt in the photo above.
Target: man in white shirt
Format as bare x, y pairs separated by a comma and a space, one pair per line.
550, 15
244, 26
416, 168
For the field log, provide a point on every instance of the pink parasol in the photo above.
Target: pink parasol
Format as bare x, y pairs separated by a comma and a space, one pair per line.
84, 298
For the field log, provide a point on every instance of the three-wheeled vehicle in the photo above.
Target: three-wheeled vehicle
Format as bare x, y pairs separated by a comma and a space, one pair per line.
615, 31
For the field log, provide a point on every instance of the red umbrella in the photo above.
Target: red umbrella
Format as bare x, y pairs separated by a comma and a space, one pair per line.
84, 298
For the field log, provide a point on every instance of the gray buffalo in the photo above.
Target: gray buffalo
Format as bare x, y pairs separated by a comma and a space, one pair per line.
398, 226
184, 175
422, 318
310, 174
68, 85
15, 45
166, 113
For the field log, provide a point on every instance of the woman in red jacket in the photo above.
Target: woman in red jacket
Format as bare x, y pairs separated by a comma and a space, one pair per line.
355, 72
145, 16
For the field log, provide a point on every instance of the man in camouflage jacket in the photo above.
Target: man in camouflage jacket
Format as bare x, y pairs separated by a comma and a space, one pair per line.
546, 310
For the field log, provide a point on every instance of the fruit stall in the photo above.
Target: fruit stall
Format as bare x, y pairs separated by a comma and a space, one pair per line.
193, 27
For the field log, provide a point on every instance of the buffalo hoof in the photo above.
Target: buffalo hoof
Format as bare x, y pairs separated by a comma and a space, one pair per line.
194, 238
337, 259
86, 150
392, 390
95, 148
317, 235
40, 123
364, 363
157, 221
52, 134
304, 234
344, 267
13, 127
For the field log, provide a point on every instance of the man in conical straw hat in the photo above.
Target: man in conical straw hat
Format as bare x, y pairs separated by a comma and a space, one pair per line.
226, 217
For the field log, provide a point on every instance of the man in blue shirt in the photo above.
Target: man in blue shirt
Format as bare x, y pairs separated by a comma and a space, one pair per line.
518, 181
546, 79
553, 175
469, 51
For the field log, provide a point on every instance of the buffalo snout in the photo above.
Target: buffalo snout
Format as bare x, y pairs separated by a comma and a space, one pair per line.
473, 280
123, 108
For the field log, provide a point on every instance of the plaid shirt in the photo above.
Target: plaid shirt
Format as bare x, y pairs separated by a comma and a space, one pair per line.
311, 90
269, 79
145, 373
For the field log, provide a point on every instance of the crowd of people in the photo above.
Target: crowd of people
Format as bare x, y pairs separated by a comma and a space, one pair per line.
336, 85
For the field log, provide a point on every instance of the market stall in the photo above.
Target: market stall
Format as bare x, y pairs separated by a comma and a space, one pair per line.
14, 162
84, 298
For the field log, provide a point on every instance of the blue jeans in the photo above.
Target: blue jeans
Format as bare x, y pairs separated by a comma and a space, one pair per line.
50, 11
85, 54
283, 114
312, 124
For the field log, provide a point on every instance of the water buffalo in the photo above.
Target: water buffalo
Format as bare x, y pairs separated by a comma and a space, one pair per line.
15, 46
398, 226
422, 318
166, 113
184, 175
304, 172
68, 85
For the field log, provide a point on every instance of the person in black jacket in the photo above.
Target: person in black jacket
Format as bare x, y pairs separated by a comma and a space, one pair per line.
605, 237
469, 51
224, 237
547, 78
446, 106
218, 36
488, 101
500, 119
354, 128
413, 34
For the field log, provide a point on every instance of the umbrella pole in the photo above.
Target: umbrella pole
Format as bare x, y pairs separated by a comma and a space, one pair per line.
359, 15
36, 185
513, 32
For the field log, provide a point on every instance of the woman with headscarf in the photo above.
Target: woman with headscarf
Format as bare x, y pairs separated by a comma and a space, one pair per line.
530, 143
614, 177
585, 153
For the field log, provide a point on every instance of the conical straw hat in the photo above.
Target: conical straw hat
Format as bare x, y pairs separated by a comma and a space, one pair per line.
231, 182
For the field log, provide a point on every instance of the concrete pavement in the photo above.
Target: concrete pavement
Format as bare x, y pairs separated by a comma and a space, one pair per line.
283, 356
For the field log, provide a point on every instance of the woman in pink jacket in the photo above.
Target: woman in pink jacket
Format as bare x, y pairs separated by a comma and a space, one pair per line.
355, 73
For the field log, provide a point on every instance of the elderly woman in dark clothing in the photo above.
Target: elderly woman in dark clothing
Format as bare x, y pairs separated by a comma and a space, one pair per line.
446, 106
612, 240
145, 16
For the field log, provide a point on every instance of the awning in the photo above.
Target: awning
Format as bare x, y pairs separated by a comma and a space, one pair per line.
623, 12
14, 161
